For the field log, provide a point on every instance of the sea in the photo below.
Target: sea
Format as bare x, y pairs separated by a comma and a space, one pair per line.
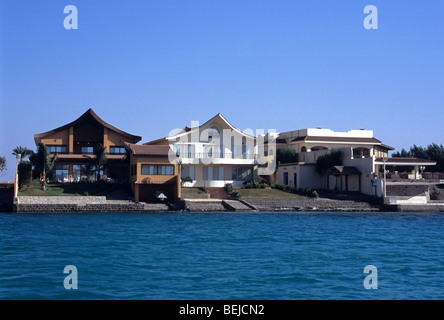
218, 256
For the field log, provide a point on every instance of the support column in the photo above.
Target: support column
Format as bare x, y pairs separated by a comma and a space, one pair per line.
136, 192
105, 138
71, 140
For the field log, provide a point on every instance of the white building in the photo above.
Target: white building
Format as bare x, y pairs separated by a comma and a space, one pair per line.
216, 153
363, 157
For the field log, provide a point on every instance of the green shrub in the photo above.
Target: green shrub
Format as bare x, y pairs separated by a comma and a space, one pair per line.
235, 194
228, 187
24, 173
186, 179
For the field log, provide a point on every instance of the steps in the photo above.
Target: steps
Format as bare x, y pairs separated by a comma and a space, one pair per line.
234, 205
217, 193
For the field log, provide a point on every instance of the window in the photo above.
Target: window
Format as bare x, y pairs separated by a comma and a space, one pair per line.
157, 170
185, 150
357, 153
242, 173
286, 178
81, 173
366, 153
87, 149
213, 132
61, 173
57, 149
188, 171
117, 150
213, 173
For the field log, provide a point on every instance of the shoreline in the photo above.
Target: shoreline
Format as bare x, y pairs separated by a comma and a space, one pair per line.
68, 204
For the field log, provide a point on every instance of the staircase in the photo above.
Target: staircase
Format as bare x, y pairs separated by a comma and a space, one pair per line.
217, 193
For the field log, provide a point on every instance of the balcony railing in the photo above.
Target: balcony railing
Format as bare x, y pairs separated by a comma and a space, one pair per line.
405, 176
218, 156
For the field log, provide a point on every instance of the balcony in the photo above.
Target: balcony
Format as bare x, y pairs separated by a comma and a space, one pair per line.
220, 158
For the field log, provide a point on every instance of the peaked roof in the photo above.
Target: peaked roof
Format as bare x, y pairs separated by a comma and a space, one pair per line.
220, 116
148, 150
84, 117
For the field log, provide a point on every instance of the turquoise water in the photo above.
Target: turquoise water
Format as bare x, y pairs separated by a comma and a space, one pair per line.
222, 255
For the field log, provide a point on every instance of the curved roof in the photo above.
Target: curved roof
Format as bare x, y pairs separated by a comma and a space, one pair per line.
85, 117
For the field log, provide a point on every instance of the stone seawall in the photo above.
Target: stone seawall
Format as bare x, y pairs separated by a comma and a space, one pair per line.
100, 204
31, 204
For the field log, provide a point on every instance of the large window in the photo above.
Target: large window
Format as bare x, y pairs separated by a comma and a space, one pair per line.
82, 173
61, 173
157, 169
57, 149
213, 173
117, 150
242, 173
188, 171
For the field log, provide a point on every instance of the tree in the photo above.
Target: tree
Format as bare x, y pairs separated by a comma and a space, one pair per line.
2, 164
327, 161
43, 163
100, 161
21, 152
286, 155
432, 152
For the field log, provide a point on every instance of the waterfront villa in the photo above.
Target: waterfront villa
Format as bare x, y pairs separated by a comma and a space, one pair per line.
74, 144
214, 153
154, 173
364, 159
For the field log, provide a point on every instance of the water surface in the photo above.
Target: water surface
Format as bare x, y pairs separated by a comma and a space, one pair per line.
222, 255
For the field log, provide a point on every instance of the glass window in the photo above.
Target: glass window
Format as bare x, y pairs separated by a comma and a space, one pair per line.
188, 171
242, 173
61, 173
117, 150
157, 170
57, 149
87, 149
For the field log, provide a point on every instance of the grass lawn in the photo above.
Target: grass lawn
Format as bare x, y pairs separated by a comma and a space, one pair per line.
268, 194
64, 189
192, 190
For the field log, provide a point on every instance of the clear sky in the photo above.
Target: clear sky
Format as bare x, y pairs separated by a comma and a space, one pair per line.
148, 67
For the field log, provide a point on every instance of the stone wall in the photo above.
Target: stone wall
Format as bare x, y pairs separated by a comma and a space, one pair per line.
32, 204
405, 190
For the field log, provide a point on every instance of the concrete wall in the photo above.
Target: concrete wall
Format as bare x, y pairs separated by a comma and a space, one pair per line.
408, 190
366, 166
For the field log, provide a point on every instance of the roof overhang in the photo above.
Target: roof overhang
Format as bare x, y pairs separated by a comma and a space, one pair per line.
405, 162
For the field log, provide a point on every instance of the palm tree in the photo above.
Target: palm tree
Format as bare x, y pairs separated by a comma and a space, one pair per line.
100, 161
21, 152
43, 162
2, 164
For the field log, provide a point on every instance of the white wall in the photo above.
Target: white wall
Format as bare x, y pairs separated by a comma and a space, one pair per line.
366, 166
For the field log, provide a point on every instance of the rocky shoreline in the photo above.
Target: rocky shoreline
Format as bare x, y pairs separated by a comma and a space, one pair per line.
101, 204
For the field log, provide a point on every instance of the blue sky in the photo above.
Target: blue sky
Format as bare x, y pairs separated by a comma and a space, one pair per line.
148, 67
